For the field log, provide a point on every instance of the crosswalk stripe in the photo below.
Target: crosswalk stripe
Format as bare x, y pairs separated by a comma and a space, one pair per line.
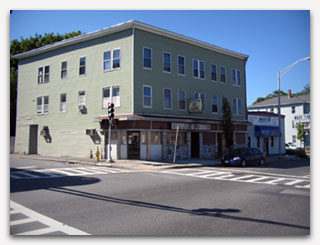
39, 232
53, 225
270, 179
21, 221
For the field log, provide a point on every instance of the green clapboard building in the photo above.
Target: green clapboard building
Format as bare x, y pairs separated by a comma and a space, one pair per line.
158, 81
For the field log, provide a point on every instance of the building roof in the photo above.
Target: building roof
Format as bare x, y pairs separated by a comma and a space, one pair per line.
125, 26
284, 100
264, 113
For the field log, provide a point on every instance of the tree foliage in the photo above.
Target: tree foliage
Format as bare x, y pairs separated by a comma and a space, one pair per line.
227, 126
300, 132
305, 91
24, 45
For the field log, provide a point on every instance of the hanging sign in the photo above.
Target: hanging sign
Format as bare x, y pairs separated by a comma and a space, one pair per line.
195, 105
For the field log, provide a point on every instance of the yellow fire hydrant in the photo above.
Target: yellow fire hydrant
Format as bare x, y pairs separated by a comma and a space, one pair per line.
97, 154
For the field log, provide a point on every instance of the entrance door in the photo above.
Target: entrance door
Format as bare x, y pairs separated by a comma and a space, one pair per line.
133, 145
266, 146
33, 139
195, 152
219, 145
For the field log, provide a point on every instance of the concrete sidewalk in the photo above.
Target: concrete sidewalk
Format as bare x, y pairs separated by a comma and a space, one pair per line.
141, 164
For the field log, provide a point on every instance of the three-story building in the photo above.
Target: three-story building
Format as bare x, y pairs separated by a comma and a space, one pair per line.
150, 75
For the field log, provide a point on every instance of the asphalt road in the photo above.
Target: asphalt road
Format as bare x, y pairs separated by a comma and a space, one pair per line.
270, 200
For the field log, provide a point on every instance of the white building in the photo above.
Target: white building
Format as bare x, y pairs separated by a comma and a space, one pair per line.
264, 132
295, 109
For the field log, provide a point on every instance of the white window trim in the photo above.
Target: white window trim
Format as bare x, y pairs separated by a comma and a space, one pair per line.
143, 96
185, 100
111, 60
85, 69
42, 111
204, 104
236, 81
217, 112
85, 98
147, 68
63, 103
216, 73
43, 74
62, 78
164, 100
105, 105
111, 98
166, 52
204, 71
237, 106
184, 65
225, 68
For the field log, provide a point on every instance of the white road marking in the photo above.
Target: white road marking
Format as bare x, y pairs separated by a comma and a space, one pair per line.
53, 225
254, 177
62, 172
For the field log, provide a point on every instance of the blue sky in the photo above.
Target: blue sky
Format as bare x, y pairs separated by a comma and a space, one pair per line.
273, 39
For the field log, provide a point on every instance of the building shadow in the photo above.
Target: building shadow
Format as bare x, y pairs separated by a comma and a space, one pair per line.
42, 182
226, 213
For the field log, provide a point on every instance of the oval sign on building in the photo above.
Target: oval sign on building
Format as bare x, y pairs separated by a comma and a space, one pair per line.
195, 105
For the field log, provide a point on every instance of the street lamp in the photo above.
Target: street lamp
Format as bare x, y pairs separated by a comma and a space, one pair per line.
280, 74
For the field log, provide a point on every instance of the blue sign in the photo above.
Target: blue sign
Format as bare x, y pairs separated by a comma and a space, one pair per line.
266, 131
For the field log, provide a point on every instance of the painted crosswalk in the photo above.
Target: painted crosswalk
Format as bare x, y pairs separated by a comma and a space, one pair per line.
62, 172
24, 221
301, 182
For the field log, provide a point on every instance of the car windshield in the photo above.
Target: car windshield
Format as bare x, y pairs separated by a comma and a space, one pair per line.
239, 151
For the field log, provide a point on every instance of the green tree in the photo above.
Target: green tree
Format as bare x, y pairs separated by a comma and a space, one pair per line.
227, 125
300, 132
24, 45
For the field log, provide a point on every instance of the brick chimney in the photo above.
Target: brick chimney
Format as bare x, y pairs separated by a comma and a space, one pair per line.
289, 93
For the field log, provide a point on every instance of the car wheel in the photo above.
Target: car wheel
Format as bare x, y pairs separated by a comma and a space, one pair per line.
243, 163
261, 161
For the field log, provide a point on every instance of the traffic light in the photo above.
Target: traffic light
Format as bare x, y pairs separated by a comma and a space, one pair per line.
110, 111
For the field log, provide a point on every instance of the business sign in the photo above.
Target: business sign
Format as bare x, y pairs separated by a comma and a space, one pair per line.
303, 118
266, 131
191, 126
195, 105
263, 120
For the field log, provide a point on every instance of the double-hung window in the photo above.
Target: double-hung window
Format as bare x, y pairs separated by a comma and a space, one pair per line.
147, 58
167, 103
63, 102
42, 105
214, 103
111, 94
63, 69
236, 77
213, 70
181, 65
44, 74
198, 68
166, 62
222, 74
82, 66
111, 60
147, 96
236, 106
182, 100
81, 99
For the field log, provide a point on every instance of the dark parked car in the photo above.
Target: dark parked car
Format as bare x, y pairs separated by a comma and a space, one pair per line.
243, 156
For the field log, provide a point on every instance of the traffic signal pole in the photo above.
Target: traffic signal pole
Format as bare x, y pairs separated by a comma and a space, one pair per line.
111, 116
